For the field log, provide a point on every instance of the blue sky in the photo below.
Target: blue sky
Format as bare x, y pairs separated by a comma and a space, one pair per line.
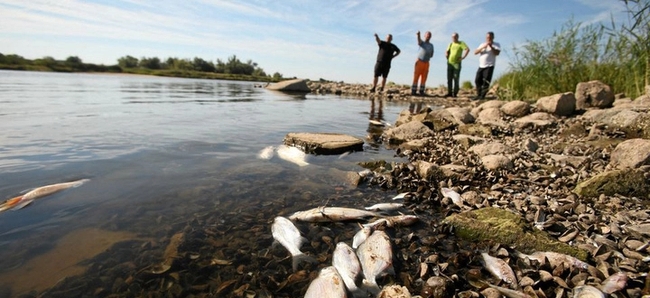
307, 39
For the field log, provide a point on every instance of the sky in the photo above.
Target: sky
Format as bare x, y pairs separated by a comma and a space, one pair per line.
332, 40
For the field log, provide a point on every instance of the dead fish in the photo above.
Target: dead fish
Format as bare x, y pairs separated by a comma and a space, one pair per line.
376, 258
614, 282
286, 233
454, 196
266, 153
499, 269
293, 155
347, 264
510, 293
555, 259
385, 207
344, 154
37, 193
587, 291
375, 122
394, 221
328, 284
361, 236
331, 214
400, 196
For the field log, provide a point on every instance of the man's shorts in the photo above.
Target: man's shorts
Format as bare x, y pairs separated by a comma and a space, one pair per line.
381, 69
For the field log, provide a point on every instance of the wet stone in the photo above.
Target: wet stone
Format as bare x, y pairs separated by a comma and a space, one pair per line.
324, 143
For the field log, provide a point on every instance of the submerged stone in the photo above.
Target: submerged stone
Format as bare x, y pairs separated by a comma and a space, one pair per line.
324, 143
505, 227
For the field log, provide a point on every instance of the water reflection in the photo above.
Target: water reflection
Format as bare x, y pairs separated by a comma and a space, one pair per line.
375, 121
415, 108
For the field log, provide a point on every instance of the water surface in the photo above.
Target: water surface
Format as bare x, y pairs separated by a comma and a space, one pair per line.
157, 151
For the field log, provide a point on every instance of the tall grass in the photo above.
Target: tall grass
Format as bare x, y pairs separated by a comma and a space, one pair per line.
575, 54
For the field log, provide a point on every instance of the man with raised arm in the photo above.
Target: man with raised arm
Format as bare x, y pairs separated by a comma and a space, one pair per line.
387, 51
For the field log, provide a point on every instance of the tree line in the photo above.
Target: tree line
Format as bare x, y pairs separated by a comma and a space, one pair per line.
232, 68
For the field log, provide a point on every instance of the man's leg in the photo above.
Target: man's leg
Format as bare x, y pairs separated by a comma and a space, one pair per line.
450, 77
487, 79
456, 81
423, 76
479, 82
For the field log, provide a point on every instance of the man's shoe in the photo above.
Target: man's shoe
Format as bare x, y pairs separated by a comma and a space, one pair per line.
372, 90
448, 95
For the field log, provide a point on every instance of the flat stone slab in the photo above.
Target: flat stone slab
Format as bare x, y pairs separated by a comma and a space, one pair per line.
295, 85
324, 143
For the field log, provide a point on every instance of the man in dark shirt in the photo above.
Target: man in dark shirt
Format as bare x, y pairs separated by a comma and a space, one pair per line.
387, 51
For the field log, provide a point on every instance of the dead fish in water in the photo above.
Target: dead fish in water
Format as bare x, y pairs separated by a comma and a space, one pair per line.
361, 236
285, 232
401, 196
454, 196
266, 153
555, 259
344, 154
385, 207
347, 264
379, 122
614, 282
328, 284
376, 258
587, 291
37, 193
292, 154
499, 269
394, 221
331, 214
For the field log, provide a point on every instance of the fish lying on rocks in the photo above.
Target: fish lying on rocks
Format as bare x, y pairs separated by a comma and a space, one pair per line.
393, 221
286, 233
454, 196
614, 282
499, 269
401, 196
385, 207
361, 236
345, 260
293, 155
39, 192
587, 291
376, 258
328, 284
555, 259
331, 214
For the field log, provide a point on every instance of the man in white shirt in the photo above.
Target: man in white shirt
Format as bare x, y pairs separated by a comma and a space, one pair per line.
488, 51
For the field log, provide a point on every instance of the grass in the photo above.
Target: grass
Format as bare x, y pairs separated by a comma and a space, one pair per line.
575, 54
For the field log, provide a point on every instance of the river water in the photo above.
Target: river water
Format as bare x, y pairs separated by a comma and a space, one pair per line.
157, 151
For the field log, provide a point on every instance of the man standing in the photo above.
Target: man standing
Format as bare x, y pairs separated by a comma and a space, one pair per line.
488, 51
456, 52
387, 51
422, 64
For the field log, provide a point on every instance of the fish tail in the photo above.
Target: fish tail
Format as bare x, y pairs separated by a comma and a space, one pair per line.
8, 204
299, 258
370, 286
80, 182
22, 204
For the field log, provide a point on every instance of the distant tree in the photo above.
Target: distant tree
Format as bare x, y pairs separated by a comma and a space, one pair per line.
73, 60
127, 62
150, 63
13, 59
202, 65
46, 61
277, 76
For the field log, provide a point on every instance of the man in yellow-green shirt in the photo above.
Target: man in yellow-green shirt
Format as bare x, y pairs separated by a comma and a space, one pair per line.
456, 52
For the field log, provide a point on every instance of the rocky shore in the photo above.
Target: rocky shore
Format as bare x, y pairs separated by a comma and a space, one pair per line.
570, 170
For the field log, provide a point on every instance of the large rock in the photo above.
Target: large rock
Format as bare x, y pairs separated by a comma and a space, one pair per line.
496, 162
324, 143
593, 94
516, 108
631, 154
295, 85
491, 116
563, 104
539, 119
489, 149
461, 115
619, 182
475, 130
407, 132
496, 225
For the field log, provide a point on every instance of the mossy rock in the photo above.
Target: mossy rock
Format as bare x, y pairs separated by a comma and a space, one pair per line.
475, 130
621, 182
374, 164
505, 227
